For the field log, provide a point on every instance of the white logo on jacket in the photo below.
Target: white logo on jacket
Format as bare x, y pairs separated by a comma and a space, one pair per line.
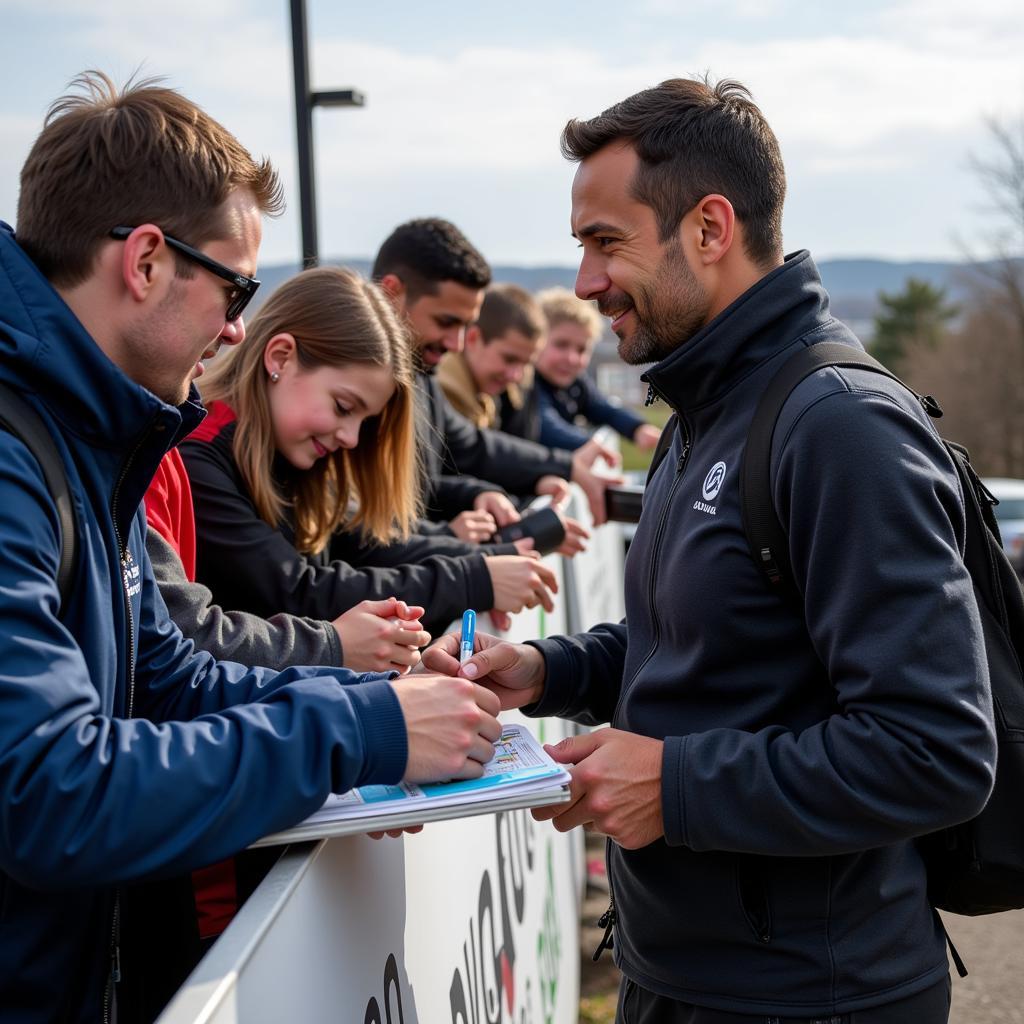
713, 481
712, 485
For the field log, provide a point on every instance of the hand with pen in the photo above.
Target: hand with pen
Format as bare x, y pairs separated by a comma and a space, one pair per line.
616, 775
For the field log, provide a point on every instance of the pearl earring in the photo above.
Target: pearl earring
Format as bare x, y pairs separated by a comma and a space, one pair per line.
275, 377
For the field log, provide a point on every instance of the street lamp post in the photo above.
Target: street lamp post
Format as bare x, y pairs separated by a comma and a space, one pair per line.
305, 101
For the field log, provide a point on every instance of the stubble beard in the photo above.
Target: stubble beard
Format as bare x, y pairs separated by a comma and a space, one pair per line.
674, 308
145, 356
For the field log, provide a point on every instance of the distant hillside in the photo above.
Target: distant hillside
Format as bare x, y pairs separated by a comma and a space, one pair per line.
853, 284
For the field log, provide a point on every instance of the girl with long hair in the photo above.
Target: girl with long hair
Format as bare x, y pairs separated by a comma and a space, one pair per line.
312, 436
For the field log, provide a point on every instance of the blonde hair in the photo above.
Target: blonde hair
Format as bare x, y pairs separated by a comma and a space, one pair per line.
561, 306
337, 319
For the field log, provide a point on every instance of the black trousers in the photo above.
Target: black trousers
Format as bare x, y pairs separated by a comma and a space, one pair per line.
638, 1006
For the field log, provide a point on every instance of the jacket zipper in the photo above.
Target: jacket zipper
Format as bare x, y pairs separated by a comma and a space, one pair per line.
659, 536
608, 918
122, 548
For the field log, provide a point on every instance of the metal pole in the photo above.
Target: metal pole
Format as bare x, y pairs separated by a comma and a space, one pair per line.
304, 132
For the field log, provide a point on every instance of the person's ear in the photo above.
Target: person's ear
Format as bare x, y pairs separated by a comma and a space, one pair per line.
474, 336
278, 353
145, 261
394, 288
710, 228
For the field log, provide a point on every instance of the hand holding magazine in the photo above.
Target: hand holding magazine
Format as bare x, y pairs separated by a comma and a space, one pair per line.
520, 774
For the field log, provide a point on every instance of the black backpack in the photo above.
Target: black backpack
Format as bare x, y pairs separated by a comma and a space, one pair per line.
976, 867
17, 417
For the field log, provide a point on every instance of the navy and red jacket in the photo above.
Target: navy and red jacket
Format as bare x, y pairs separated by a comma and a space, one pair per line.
124, 754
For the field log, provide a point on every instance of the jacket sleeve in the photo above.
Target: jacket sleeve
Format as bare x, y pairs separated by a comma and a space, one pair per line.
873, 511
510, 461
277, 642
352, 547
91, 799
598, 409
555, 430
583, 674
451, 495
249, 564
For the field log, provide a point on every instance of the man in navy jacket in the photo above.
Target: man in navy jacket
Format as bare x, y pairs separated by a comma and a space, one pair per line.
769, 761
124, 754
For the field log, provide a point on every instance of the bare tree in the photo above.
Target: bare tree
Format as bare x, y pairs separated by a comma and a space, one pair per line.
977, 370
1003, 176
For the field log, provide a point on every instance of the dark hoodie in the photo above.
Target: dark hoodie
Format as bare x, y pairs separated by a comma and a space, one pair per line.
805, 745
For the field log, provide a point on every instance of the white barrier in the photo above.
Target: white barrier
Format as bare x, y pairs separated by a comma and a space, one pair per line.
473, 921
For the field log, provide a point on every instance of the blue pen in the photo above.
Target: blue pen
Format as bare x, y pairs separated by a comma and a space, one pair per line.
468, 632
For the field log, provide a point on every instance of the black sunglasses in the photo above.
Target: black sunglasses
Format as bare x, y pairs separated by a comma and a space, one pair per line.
244, 287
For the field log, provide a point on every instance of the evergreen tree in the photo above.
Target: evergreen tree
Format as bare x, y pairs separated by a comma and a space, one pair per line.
916, 317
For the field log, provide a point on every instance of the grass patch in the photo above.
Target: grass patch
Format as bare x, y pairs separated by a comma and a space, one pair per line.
632, 458
598, 1009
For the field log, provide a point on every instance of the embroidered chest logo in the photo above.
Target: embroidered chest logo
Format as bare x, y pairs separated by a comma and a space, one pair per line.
712, 485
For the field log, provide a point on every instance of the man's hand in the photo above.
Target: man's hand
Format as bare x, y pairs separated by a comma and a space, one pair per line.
514, 672
575, 535
556, 487
521, 581
499, 506
475, 527
646, 437
615, 789
381, 636
594, 484
451, 726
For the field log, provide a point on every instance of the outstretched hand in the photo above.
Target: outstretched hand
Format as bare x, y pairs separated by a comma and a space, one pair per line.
615, 788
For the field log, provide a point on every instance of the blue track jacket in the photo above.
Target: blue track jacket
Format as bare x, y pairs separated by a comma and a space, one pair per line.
124, 753
805, 743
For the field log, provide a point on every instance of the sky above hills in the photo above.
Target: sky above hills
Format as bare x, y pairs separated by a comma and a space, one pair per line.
878, 106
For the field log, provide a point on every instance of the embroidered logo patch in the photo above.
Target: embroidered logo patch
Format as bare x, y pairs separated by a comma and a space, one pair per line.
713, 481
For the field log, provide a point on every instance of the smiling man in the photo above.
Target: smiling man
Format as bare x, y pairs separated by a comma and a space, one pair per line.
771, 757
124, 755
436, 279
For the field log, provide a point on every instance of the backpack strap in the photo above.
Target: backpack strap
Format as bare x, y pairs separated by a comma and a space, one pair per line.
766, 538
17, 417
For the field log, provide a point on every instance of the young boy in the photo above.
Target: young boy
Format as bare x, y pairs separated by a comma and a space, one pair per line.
483, 381
564, 391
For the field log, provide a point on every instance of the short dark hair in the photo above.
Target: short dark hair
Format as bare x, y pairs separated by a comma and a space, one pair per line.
144, 153
695, 138
507, 307
423, 253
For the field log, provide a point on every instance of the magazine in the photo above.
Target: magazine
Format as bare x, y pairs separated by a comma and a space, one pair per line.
520, 774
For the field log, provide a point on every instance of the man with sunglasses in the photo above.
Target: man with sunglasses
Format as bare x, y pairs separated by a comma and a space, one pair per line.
124, 754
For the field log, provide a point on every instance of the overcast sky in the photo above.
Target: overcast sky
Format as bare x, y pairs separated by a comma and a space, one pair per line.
877, 105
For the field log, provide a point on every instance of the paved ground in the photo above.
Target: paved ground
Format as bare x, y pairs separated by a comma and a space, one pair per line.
992, 947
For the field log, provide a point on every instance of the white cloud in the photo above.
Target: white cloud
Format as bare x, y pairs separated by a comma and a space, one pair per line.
472, 133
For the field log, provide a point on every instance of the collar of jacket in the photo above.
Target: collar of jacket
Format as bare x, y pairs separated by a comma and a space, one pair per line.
783, 305
456, 379
45, 349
